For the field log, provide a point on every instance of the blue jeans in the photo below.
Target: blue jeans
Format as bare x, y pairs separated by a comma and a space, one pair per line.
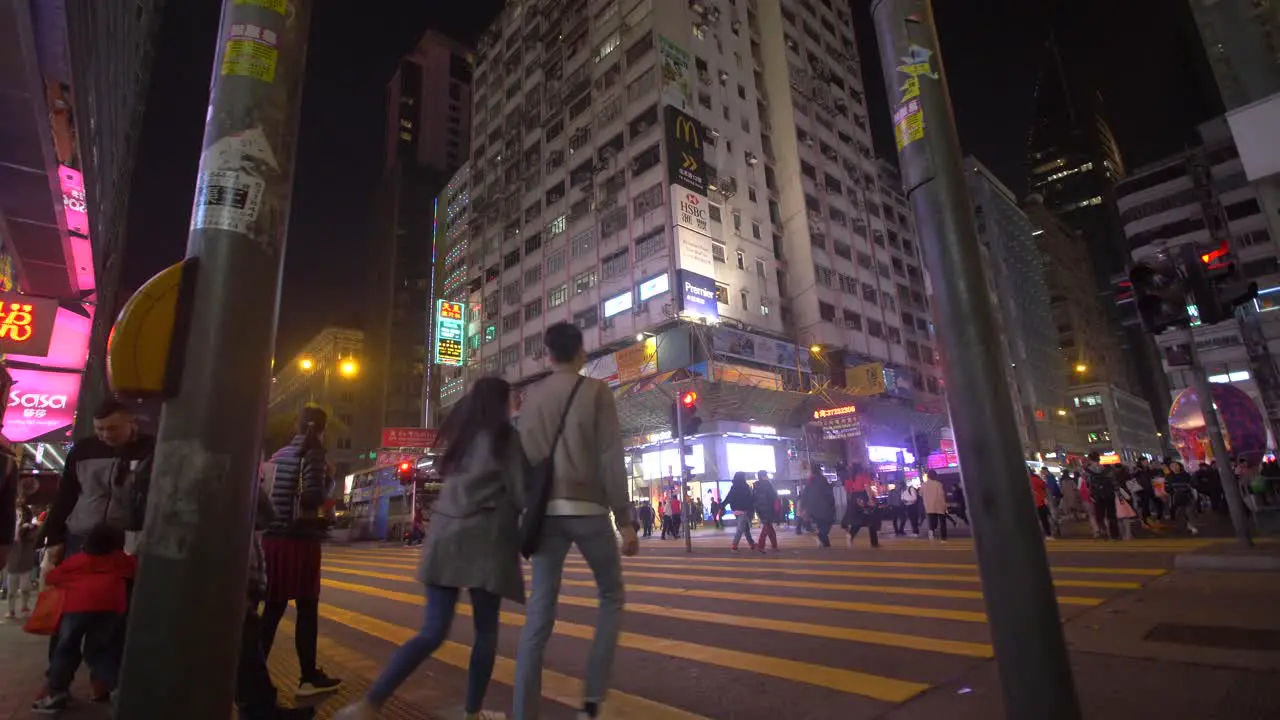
595, 538
441, 602
97, 633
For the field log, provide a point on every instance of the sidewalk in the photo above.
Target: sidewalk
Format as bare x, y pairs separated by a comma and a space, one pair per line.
1187, 645
22, 665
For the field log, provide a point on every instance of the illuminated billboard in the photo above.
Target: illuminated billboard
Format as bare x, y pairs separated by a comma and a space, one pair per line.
450, 332
68, 346
40, 402
26, 324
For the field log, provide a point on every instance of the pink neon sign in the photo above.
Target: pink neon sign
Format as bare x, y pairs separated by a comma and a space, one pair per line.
39, 403
73, 200
69, 346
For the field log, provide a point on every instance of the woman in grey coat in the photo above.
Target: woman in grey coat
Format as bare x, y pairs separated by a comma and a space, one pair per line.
473, 544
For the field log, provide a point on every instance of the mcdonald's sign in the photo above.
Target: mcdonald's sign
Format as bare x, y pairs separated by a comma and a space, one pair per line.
685, 164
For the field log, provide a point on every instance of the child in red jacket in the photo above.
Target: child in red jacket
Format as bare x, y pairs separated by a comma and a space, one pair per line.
96, 585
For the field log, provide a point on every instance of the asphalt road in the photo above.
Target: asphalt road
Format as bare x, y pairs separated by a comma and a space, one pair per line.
801, 633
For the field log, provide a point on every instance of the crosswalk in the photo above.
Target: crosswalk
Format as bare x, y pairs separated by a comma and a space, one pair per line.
716, 634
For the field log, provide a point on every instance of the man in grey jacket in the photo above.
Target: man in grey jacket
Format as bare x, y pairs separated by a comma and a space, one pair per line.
589, 483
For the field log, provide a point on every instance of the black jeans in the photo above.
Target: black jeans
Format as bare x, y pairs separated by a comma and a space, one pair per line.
899, 515
1104, 511
824, 532
305, 633
873, 527
938, 523
1043, 512
913, 516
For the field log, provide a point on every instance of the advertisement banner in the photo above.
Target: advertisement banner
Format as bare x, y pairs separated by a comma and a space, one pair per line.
40, 402
685, 164
839, 422
73, 201
603, 368
26, 324
693, 252
637, 361
398, 437
865, 379
736, 343
690, 210
388, 457
69, 343
676, 88
698, 295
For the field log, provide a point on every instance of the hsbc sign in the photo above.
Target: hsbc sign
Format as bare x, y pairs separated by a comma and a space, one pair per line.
690, 210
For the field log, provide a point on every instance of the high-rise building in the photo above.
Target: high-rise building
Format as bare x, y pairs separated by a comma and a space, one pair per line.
1075, 165
1090, 353
328, 372
428, 137
1203, 198
1016, 280
693, 184
449, 382
1242, 40
1075, 162
74, 79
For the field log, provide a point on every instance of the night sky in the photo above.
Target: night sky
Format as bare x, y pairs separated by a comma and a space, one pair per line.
993, 50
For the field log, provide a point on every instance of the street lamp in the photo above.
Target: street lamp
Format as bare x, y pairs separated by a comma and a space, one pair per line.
815, 349
306, 364
1082, 368
348, 368
1062, 412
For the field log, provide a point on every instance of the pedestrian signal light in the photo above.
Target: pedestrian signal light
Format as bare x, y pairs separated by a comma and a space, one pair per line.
689, 399
404, 467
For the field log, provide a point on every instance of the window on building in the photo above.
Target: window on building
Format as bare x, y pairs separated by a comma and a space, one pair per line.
722, 293
742, 260
555, 262
718, 252
583, 242
533, 275
588, 318
557, 296
511, 322
869, 293
875, 328
826, 311
533, 346
651, 244
615, 266
533, 310
584, 281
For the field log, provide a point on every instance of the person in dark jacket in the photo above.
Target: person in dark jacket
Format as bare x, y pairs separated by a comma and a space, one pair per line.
820, 504
300, 483
765, 498
743, 504
99, 481
1102, 491
1182, 495
860, 512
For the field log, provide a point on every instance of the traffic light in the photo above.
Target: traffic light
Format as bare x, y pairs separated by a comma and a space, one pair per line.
405, 472
1160, 295
686, 405
1216, 285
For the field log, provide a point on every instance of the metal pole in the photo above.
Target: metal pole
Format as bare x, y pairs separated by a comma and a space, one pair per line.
684, 479
1230, 488
188, 604
1022, 610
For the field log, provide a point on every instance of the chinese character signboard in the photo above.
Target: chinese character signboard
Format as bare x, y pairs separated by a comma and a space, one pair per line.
408, 437
840, 422
685, 165
26, 324
450, 332
40, 402
865, 379
690, 210
73, 201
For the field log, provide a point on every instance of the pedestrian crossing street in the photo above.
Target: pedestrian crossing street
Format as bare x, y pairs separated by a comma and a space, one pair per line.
717, 634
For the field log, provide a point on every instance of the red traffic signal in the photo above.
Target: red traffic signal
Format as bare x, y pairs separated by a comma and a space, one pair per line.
689, 399
405, 467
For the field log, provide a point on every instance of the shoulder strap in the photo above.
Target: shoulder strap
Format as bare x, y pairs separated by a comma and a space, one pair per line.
563, 416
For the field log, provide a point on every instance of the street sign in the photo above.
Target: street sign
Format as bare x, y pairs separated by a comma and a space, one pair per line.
408, 437
450, 332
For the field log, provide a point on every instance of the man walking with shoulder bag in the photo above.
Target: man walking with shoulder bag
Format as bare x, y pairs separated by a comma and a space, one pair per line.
573, 422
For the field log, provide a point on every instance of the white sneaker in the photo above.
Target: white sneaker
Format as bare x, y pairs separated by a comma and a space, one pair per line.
930, 534
363, 710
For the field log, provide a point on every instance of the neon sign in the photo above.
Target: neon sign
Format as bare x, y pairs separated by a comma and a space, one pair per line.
450, 332
834, 412
26, 324
40, 402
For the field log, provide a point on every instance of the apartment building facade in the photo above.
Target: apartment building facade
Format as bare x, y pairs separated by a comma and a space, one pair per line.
687, 181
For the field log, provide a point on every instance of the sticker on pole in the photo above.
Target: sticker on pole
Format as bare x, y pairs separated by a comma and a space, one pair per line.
251, 52
275, 5
908, 123
908, 116
227, 200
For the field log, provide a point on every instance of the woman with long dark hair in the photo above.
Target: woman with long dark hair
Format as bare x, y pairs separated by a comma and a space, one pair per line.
473, 544
299, 487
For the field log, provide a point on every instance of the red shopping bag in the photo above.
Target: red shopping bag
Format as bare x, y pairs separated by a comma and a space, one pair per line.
48, 612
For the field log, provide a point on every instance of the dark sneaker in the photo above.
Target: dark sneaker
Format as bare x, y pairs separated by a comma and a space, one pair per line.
99, 692
318, 684
50, 703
